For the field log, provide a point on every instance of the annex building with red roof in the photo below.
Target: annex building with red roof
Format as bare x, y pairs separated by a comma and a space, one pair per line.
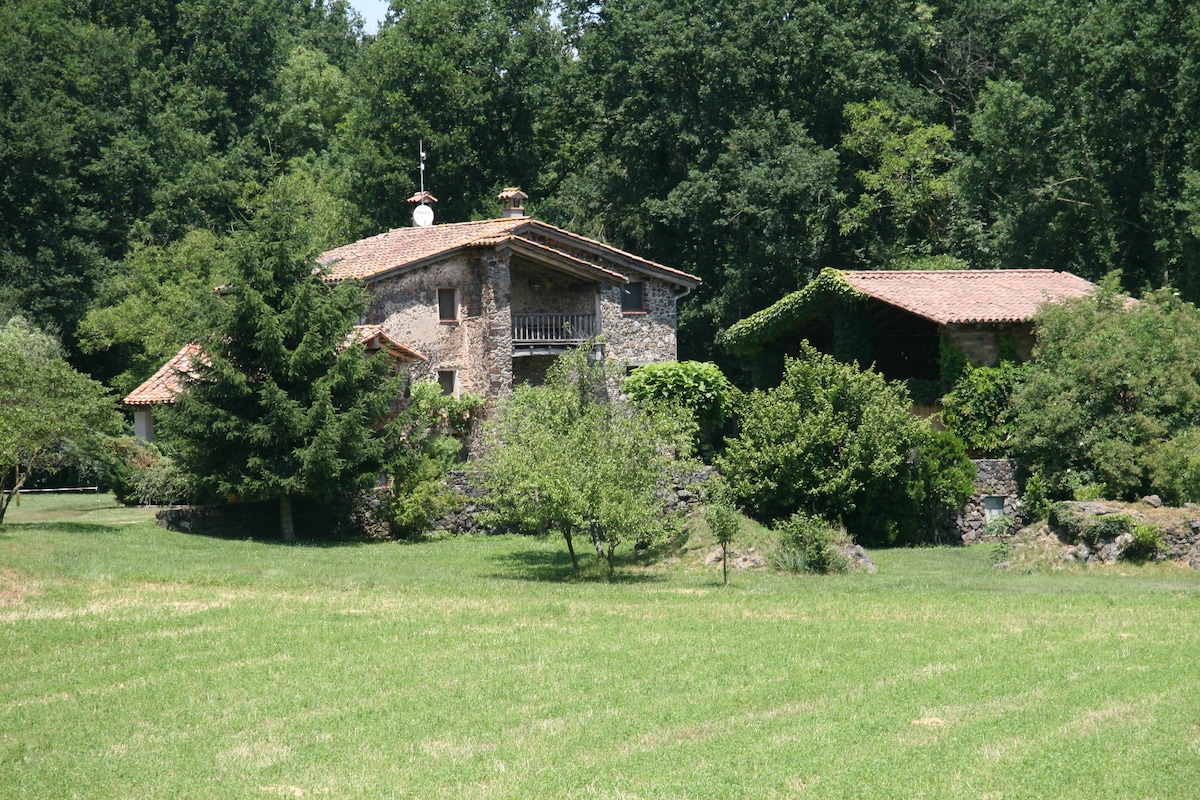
901, 321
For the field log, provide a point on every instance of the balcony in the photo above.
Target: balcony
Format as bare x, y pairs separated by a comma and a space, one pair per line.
547, 334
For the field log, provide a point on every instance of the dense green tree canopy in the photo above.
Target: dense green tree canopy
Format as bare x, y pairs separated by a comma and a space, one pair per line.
751, 143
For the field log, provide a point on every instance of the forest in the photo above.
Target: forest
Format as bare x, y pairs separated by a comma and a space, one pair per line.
751, 143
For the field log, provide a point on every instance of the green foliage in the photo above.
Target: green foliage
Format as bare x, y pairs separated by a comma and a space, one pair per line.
831, 440
564, 458
1175, 467
952, 361
1147, 542
1000, 525
977, 407
428, 445
810, 544
1109, 383
280, 405
50, 415
905, 185
699, 387
943, 481
826, 292
152, 478
1035, 500
723, 519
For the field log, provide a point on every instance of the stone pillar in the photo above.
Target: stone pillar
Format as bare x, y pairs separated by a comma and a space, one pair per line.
497, 316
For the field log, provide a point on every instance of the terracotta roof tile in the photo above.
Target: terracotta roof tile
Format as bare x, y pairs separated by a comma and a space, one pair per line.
162, 386
403, 247
950, 297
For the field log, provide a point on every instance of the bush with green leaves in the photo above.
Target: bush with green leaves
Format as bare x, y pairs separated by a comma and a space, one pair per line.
698, 386
811, 544
976, 409
942, 481
1175, 467
152, 478
1110, 382
565, 458
1147, 542
832, 440
431, 427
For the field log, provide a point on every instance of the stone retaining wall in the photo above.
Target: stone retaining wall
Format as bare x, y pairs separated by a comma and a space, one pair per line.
995, 493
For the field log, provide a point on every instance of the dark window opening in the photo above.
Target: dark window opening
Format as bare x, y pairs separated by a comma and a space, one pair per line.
633, 297
448, 305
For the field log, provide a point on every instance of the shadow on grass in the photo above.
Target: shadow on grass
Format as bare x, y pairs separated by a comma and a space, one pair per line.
555, 567
58, 527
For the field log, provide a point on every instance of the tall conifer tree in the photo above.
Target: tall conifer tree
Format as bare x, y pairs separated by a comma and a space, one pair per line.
281, 405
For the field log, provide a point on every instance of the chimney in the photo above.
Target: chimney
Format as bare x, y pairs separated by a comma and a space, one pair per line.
512, 203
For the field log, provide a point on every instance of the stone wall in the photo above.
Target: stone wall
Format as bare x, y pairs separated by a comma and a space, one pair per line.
995, 493
980, 342
644, 337
407, 307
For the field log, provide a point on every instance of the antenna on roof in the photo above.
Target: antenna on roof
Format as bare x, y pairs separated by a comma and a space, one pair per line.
422, 214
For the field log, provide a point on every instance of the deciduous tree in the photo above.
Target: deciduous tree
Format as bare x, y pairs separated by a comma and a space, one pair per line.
50, 414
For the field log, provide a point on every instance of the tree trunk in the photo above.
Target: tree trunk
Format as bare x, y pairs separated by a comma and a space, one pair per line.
724, 563
286, 527
571, 550
15, 494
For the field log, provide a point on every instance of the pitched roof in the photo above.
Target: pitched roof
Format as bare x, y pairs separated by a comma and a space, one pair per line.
162, 386
374, 337
950, 297
402, 249
946, 297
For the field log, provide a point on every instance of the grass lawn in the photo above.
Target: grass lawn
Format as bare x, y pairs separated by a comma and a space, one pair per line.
135, 662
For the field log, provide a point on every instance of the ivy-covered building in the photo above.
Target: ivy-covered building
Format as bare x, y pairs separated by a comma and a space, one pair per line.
910, 325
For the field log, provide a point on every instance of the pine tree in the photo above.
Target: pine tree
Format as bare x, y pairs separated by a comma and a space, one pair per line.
282, 405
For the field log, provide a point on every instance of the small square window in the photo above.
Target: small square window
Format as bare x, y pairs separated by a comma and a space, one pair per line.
448, 305
993, 506
633, 297
448, 380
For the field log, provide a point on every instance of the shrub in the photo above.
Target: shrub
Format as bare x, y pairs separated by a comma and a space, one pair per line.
811, 544
1175, 468
1109, 382
832, 440
429, 427
1000, 525
943, 481
152, 478
1034, 499
1147, 541
976, 408
698, 386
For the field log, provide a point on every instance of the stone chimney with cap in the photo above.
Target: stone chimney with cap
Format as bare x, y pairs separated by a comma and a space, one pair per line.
512, 203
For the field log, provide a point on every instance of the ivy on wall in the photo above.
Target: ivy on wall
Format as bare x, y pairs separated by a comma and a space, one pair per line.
827, 292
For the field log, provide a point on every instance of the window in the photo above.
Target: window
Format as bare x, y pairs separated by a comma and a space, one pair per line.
448, 380
993, 506
448, 305
633, 297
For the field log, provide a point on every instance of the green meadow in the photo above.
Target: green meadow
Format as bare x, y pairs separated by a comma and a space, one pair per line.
141, 663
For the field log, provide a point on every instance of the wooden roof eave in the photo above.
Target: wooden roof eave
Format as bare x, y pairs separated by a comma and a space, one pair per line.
613, 254
563, 262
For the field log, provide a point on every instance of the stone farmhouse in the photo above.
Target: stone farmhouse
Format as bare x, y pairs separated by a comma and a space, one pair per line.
493, 303
481, 306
